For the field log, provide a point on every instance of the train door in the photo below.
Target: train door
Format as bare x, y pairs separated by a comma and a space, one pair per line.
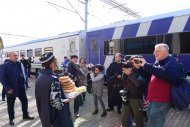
94, 49
72, 47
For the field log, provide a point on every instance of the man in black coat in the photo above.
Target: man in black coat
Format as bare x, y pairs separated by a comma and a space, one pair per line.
14, 81
26, 66
53, 107
113, 76
76, 73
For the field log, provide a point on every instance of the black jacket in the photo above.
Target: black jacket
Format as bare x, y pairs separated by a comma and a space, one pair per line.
111, 74
76, 73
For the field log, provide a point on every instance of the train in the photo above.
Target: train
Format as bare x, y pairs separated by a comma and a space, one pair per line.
61, 45
98, 45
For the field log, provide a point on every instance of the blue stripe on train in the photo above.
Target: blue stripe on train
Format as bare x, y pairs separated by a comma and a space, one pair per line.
160, 26
130, 30
187, 26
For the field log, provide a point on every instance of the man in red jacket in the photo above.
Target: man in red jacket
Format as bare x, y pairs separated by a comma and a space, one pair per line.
164, 73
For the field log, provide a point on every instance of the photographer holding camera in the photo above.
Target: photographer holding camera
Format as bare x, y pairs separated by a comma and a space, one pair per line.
132, 95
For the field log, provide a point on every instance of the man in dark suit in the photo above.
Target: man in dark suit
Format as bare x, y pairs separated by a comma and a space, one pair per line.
75, 71
1, 74
14, 82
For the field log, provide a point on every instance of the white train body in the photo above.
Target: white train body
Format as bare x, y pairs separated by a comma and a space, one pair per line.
66, 44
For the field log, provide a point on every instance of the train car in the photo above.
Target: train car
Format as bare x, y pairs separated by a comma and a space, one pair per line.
140, 36
66, 44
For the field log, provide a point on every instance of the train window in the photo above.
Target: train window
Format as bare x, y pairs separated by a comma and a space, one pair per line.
22, 52
184, 42
48, 49
140, 45
113, 46
17, 52
30, 53
94, 45
7, 54
38, 52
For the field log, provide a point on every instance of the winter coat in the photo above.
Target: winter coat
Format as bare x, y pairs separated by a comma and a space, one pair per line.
53, 112
97, 83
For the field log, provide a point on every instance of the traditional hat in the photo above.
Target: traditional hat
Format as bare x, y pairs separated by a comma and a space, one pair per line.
46, 57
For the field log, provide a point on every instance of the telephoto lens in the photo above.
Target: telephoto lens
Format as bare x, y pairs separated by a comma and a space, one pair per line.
124, 93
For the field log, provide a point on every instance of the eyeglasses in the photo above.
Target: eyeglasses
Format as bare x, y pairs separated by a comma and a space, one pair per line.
157, 51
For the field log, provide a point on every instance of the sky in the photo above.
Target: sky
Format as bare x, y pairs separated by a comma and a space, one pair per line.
33, 19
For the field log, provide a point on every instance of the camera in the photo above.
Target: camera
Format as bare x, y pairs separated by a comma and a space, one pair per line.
137, 61
124, 94
127, 65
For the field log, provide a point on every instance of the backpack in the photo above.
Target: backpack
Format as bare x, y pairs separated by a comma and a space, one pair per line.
181, 95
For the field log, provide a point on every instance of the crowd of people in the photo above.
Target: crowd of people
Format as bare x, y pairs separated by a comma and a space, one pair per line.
129, 82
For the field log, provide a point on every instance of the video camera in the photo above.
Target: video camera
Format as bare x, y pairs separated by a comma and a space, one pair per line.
127, 65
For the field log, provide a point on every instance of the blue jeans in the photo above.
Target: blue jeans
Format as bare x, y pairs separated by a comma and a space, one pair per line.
157, 112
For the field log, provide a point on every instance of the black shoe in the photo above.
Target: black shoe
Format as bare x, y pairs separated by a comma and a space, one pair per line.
28, 86
77, 115
11, 122
118, 111
3, 99
28, 118
103, 114
110, 109
95, 112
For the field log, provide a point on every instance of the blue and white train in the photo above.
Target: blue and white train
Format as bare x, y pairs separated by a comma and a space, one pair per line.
140, 36
100, 44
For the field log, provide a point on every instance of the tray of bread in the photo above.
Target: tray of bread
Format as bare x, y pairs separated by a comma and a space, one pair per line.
69, 87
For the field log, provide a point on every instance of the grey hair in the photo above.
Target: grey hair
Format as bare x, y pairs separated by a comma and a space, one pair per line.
163, 46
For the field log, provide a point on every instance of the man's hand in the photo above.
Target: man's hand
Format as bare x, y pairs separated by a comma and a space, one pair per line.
118, 76
69, 99
10, 91
140, 64
127, 71
143, 61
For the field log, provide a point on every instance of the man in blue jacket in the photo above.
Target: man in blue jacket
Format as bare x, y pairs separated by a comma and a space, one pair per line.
1, 75
14, 82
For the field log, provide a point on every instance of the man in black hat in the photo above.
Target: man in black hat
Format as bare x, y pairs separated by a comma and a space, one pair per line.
76, 72
53, 107
14, 82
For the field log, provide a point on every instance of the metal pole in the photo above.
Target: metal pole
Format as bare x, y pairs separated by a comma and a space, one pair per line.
86, 15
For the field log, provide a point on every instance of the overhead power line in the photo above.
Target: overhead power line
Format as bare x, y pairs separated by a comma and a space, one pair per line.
17, 35
50, 3
122, 8
75, 10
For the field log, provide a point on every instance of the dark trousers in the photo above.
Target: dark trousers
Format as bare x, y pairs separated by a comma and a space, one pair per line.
29, 71
84, 96
114, 99
134, 106
76, 104
11, 101
3, 92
